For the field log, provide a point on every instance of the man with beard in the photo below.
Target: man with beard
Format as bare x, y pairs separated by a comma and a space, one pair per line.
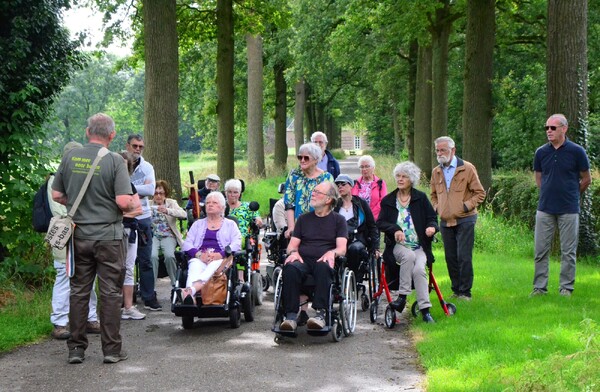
143, 180
455, 194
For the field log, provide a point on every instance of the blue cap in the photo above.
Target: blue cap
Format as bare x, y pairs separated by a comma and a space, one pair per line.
344, 178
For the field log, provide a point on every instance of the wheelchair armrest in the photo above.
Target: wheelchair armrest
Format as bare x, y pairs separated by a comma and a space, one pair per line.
182, 259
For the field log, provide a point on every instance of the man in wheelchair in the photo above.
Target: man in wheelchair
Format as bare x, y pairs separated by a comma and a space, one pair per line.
363, 235
318, 238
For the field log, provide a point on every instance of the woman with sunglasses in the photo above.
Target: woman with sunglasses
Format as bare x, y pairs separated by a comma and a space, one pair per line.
165, 234
301, 182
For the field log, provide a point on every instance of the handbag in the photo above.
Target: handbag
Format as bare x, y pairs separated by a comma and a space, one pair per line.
214, 291
62, 227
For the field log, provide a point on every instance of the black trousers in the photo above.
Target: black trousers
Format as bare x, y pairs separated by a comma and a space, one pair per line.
294, 277
458, 247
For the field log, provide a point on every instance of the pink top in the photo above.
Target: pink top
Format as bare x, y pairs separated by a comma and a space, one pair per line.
372, 192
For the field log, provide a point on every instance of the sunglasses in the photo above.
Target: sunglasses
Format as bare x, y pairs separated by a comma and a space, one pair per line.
159, 193
303, 158
552, 127
136, 146
342, 183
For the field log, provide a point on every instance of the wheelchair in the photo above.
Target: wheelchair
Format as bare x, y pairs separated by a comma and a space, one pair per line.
365, 275
340, 320
237, 301
250, 260
275, 246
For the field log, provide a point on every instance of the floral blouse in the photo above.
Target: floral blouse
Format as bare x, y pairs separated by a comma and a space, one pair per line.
244, 216
405, 222
298, 189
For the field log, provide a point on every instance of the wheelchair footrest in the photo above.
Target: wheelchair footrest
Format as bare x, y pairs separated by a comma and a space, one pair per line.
319, 332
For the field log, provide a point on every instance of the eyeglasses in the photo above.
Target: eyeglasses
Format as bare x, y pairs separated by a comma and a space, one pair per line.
320, 142
364, 167
136, 146
303, 158
320, 193
159, 193
233, 192
552, 127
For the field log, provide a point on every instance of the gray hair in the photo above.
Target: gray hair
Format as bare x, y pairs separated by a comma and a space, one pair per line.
318, 133
561, 118
312, 150
411, 170
444, 139
333, 194
101, 125
219, 198
233, 184
366, 159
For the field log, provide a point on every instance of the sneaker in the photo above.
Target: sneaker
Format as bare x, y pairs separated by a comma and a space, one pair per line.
132, 314
536, 292
92, 327
302, 318
317, 322
464, 297
399, 304
454, 296
60, 332
428, 319
77, 355
288, 325
114, 358
565, 292
152, 304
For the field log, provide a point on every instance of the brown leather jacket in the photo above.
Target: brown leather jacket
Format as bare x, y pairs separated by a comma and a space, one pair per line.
463, 197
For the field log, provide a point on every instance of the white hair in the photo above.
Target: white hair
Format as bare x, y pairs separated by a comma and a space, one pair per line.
311, 149
219, 198
411, 170
318, 133
366, 159
561, 118
233, 184
445, 139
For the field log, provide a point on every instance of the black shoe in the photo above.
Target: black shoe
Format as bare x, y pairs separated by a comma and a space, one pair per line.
399, 304
153, 304
427, 318
302, 318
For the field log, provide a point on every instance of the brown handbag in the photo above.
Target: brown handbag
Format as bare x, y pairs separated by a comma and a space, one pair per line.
214, 291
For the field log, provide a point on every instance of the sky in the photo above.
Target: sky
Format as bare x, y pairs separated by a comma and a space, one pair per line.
80, 19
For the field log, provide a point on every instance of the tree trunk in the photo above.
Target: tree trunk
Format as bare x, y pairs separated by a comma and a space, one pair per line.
423, 141
225, 122
256, 149
397, 131
477, 102
299, 114
281, 148
161, 132
439, 71
412, 78
567, 81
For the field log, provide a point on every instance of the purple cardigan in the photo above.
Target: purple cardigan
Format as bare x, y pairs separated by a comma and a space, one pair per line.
228, 234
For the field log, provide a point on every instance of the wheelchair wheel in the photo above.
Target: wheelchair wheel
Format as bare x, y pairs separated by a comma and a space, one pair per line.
235, 317
373, 311
337, 331
348, 304
414, 309
256, 285
364, 302
277, 287
248, 305
451, 308
390, 317
187, 322
373, 281
266, 282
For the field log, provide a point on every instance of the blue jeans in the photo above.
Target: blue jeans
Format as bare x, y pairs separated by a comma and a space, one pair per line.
458, 248
144, 259
568, 230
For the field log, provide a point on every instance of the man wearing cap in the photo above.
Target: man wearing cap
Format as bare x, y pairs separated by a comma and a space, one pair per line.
211, 184
144, 181
327, 163
362, 230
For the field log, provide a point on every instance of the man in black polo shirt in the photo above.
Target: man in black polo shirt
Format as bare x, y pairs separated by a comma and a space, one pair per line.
562, 172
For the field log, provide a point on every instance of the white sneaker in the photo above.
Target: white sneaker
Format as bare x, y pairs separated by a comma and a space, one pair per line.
132, 314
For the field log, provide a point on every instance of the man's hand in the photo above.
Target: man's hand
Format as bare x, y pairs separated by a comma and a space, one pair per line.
293, 257
328, 257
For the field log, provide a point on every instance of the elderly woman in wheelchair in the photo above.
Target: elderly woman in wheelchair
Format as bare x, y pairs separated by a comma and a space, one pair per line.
319, 238
205, 245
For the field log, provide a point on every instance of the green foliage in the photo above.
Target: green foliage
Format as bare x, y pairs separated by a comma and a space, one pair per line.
37, 59
514, 196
